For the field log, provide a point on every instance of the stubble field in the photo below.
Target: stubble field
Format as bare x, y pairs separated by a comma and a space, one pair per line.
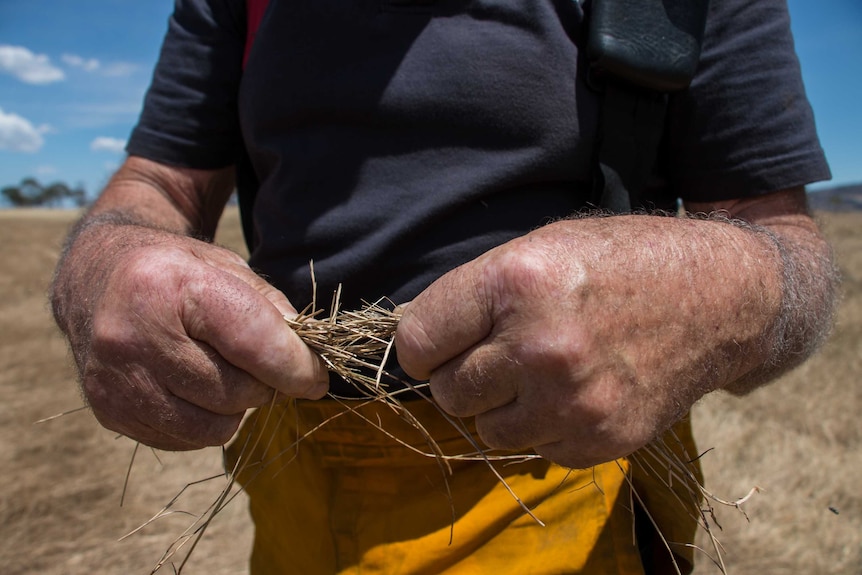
799, 440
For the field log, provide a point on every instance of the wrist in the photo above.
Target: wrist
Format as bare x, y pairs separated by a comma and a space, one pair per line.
809, 284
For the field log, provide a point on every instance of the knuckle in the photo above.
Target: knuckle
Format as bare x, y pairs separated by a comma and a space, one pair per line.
133, 306
528, 270
231, 258
598, 404
146, 275
520, 270
111, 336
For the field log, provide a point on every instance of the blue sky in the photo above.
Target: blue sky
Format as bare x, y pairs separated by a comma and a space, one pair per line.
73, 75
72, 79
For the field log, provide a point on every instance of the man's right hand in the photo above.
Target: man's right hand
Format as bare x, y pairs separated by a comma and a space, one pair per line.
175, 338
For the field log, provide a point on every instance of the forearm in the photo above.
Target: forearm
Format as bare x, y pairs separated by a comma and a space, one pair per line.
761, 298
183, 201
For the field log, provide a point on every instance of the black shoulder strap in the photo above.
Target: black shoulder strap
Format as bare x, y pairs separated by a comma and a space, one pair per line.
630, 129
640, 51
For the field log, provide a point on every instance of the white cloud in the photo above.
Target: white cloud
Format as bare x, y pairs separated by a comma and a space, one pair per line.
45, 170
103, 114
86, 64
17, 134
111, 69
119, 69
28, 67
105, 144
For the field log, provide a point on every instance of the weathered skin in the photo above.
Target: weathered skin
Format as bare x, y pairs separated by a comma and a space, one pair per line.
583, 339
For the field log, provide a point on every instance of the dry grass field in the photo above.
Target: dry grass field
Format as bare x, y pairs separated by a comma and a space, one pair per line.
799, 440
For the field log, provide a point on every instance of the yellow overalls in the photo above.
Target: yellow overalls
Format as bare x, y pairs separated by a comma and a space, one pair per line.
349, 499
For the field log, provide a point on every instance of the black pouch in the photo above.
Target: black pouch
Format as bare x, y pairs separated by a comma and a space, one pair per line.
653, 44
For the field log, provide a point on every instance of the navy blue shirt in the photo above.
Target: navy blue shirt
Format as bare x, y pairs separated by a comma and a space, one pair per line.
391, 141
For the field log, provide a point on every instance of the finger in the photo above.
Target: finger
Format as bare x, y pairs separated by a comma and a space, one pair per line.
442, 322
555, 434
209, 430
214, 384
515, 427
482, 379
126, 402
249, 331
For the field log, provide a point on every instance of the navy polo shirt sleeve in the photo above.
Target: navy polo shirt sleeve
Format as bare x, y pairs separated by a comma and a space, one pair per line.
190, 112
745, 126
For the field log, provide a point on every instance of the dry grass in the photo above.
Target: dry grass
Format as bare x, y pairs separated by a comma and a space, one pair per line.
59, 512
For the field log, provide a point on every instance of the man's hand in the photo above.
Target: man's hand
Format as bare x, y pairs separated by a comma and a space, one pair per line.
586, 339
174, 338
184, 339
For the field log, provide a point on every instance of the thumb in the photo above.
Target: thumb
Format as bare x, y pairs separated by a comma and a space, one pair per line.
444, 321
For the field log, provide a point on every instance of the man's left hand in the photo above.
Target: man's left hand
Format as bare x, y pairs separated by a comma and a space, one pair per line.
587, 338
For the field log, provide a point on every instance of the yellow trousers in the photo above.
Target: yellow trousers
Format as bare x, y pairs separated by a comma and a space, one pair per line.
332, 491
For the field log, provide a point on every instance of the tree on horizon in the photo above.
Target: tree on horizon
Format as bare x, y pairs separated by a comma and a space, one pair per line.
30, 193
